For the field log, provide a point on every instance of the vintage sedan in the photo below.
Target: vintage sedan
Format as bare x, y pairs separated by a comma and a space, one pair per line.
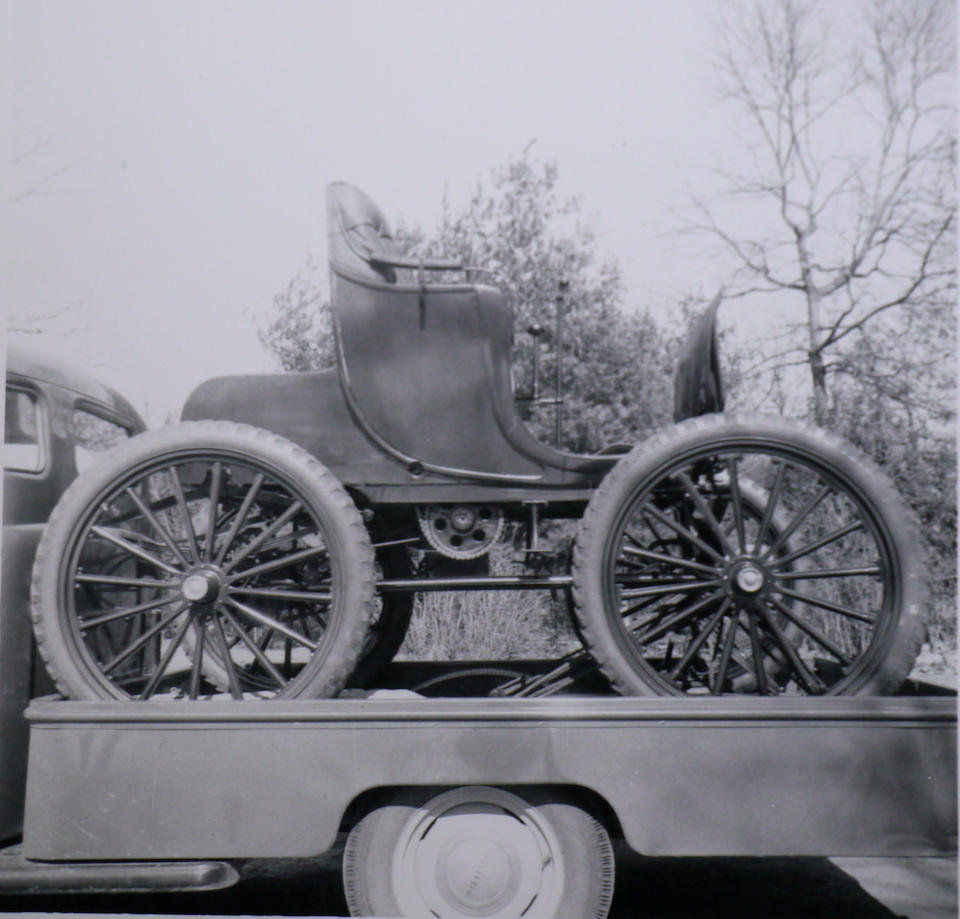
57, 420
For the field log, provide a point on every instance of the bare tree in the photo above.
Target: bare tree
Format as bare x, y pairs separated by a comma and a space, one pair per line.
847, 174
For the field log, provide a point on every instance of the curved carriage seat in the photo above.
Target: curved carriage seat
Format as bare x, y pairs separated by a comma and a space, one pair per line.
425, 368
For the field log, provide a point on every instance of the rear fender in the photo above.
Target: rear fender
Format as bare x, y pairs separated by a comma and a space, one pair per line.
307, 408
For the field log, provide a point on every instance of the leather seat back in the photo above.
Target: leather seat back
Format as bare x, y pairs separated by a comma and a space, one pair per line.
358, 233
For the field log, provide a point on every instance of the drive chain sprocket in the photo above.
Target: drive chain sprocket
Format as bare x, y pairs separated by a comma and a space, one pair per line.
461, 531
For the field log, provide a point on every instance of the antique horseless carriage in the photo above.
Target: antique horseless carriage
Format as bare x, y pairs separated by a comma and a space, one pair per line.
271, 544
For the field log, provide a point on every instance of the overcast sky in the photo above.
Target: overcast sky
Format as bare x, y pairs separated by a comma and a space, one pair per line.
167, 161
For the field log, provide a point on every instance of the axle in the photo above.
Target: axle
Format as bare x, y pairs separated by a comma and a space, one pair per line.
491, 582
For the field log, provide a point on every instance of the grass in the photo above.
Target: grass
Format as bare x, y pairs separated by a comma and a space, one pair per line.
488, 625
491, 624
517, 625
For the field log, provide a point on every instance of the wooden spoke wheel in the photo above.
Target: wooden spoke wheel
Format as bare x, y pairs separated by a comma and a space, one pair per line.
749, 554
203, 558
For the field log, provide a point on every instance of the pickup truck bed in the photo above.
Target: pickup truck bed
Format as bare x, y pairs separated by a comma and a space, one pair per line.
729, 776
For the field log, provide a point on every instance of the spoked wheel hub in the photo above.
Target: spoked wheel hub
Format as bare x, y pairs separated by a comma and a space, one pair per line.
202, 586
745, 578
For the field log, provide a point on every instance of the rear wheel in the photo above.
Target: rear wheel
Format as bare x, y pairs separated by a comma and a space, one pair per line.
478, 851
687, 581
197, 549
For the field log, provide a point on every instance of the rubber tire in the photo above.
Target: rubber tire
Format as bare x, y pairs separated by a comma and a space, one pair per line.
585, 847
327, 672
387, 633
893, 658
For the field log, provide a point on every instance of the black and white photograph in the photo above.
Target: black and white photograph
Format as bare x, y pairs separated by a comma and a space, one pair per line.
481, 459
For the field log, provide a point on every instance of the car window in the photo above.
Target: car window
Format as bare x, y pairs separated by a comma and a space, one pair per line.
92, 435
22, 448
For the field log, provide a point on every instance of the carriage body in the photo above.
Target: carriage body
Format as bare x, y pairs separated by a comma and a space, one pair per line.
274, 540
420, 407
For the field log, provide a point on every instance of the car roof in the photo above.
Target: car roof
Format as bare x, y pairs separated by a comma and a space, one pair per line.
29, 362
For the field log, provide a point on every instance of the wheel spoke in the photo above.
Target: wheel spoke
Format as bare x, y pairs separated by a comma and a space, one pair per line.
683, 615
164, 662
195, 668
684, 533
769, 509
697, 643
805, 512
241, 517
308, 596
815, 634
160, 529
235, 691
143, 639
636, 607
110, 580
736, 503
214, 500
828, 605
85, 624
639, 543
276, 563
666, 589
757, 653
275, 624
819, 544
255, 544
251, 644
661, 611
816, 574
184, 512
264, 640
811, 683
131, 549
721, 675
668, 560
694, 493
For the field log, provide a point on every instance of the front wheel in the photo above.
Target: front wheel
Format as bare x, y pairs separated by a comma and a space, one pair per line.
203, 558
686, 583
478, 851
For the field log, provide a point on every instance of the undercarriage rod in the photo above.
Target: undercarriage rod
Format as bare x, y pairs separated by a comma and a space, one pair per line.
492, 582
